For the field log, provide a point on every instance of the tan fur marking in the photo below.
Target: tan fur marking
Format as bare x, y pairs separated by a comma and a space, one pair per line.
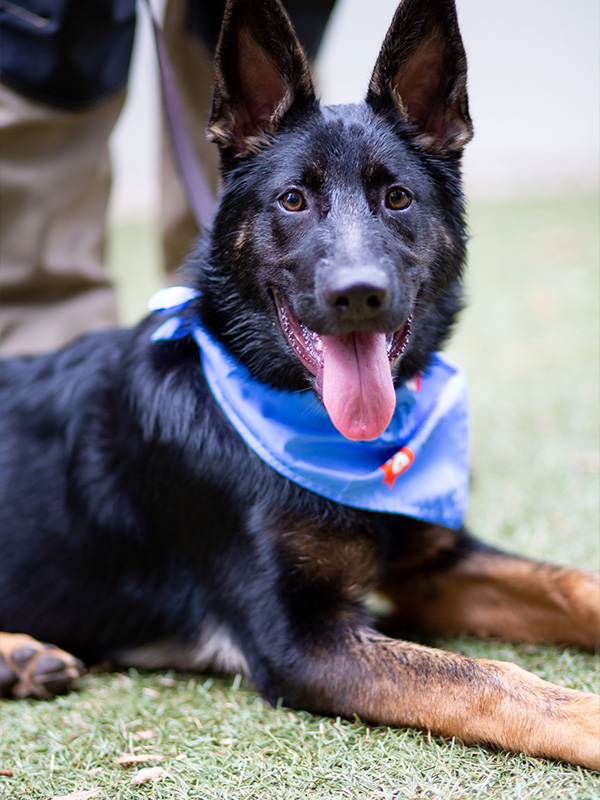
24, 656
348, 559
243, 235
477, 700
447, 239
491, 594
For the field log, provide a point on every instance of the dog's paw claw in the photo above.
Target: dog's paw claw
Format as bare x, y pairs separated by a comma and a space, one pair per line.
29, 668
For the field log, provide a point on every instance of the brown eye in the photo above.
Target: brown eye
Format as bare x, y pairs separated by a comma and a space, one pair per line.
293, 201
398, 199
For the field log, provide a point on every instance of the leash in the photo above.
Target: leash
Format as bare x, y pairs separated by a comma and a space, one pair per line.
197, 188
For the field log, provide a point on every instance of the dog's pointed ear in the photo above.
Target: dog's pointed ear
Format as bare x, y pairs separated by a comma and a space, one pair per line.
422, 73
260, 73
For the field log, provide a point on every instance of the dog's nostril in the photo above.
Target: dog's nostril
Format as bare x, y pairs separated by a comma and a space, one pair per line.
358, 299
373, 301
351, 294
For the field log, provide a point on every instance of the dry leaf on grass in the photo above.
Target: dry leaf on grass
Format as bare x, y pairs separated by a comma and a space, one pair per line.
149, 734
84, 794
129, 759
148, 774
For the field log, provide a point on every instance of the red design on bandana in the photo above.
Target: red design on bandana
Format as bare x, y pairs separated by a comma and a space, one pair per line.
414, 383
396, 465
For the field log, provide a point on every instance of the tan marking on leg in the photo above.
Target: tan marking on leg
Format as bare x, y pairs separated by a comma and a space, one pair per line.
479, 701
33, 669
492, 594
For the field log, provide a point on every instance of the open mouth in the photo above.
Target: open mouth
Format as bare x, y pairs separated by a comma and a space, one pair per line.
353, 372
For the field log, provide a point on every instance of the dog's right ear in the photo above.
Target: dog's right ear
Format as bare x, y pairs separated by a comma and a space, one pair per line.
260, 73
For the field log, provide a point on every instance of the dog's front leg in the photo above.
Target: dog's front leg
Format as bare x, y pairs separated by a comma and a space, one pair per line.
388, 681
458, 585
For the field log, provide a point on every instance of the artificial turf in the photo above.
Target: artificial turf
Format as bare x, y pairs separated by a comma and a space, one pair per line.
529, 342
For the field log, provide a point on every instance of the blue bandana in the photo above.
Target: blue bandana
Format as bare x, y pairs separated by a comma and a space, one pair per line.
418, 467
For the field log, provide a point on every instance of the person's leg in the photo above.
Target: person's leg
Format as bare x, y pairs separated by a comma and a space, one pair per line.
63, 68
54, 187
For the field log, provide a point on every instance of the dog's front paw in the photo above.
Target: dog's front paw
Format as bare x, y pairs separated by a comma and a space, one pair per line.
29, 668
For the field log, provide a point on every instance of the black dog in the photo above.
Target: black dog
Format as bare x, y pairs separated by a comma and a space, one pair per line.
142, 523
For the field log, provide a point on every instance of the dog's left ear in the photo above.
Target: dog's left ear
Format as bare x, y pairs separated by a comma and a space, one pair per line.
421, 72
260, 73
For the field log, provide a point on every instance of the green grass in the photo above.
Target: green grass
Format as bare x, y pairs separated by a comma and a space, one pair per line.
529, 343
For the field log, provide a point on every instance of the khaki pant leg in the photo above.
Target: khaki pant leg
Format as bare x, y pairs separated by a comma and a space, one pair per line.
54, 187
192, 66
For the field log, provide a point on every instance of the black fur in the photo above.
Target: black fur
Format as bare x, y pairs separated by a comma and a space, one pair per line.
131, 512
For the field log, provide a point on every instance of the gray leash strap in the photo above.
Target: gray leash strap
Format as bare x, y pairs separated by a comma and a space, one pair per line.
198, 190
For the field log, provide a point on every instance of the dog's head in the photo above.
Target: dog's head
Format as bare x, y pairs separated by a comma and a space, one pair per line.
336, 252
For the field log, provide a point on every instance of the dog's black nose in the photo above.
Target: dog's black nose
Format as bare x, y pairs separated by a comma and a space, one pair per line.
356, 295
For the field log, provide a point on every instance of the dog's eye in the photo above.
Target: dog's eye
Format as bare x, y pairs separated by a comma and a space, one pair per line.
293, 201
398, 199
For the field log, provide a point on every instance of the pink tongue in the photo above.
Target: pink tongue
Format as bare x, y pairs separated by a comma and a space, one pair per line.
358, 391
